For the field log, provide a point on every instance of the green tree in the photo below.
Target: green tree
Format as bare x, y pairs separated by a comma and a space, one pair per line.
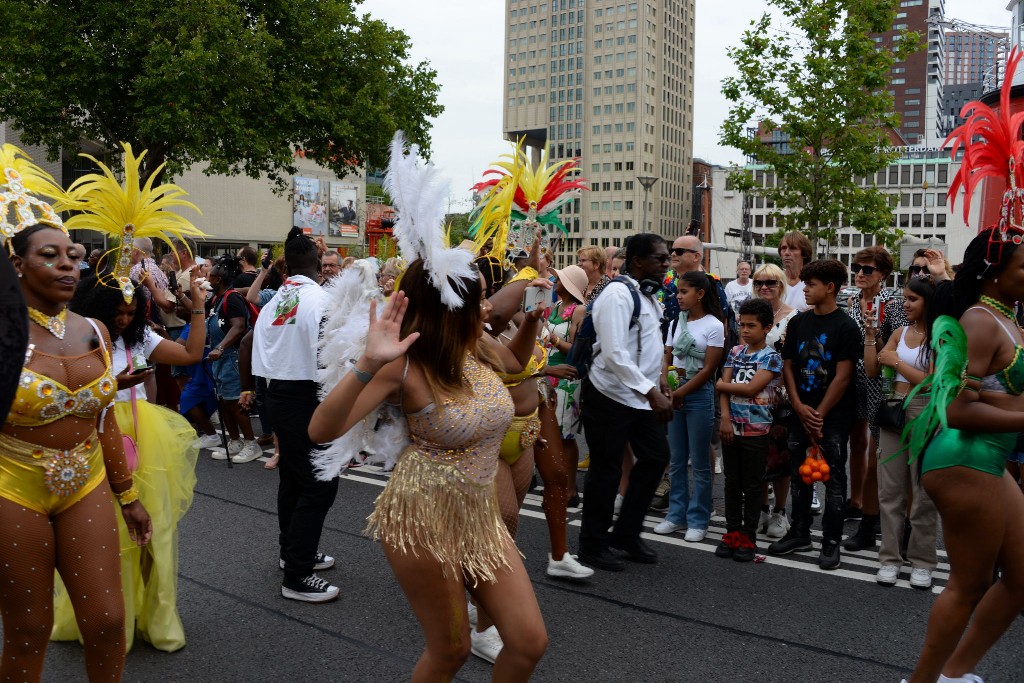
241, 86
821, 80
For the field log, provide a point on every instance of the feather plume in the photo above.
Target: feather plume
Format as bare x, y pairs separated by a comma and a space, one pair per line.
942, 385
420, 194
342, 342
992, 148
22, 187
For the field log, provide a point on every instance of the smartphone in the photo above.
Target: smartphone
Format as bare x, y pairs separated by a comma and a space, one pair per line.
877, 310
266, 259
141, 369
535, 298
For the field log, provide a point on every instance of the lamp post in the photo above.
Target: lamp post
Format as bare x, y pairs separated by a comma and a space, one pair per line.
647, 181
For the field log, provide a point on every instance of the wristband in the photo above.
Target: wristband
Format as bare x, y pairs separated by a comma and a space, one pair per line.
527, 273
871, 344
198, 311
248, 393
127, 497
362, 375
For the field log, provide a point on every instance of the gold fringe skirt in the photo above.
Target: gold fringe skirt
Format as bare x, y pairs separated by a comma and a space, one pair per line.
432, 506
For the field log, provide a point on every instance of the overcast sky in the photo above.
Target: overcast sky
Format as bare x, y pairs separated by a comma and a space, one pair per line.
464, 42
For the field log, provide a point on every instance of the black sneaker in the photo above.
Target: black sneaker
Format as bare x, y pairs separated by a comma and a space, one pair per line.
602, 559
745, 550
726, 546
829, 557
322, 561
309, 589
792, 542
852, 512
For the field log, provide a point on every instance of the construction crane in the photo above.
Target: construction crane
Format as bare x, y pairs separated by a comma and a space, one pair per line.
999, 35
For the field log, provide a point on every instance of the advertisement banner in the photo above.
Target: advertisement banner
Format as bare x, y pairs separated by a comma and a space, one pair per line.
344, 220
309, 206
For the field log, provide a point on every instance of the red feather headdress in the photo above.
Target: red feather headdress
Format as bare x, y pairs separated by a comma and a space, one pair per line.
993, 148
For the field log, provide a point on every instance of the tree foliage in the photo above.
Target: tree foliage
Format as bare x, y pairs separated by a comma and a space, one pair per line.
820, 79
235, 84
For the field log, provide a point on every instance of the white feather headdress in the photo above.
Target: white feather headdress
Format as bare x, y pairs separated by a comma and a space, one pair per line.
420, 193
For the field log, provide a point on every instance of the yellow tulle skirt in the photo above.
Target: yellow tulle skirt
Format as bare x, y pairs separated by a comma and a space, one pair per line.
165, 479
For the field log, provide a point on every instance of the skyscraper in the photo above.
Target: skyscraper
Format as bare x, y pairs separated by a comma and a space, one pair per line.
609, 82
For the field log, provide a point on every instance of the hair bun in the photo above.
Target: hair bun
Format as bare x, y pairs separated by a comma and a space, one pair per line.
293, 233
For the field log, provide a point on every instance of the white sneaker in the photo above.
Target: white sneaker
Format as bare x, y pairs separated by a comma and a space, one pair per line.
471, 611
771, 493
695, 535
235, 447
922, 578
718, 464
815, 503
486, 645
887, 575
763, 521
208, 441
667, 527
618, 502
966, 678
250, 451
778, 526
568, 568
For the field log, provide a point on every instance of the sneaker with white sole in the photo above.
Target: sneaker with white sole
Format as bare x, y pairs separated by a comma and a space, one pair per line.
568, 568
815, 503
235, 447
320, 562
921, 578
618, 503
208, 441
763, 521
666, 527
778, 526
250, 451
966, 678
487, 644
309, 589
718, 464
887, 575
695, 535
471, 612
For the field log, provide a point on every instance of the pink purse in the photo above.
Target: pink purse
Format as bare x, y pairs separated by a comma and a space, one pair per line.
131, 449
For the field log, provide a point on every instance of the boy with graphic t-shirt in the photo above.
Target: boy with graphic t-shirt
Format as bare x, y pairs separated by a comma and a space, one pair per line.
822, 347
748, 389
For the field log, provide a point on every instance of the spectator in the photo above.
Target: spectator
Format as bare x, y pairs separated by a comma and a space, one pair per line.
609, 255
94, 259
616, 263
749, 388
822, 347
330, 266
625, 395
249, 260
796, 251
591, 260
687, 255
696, 350
739, 290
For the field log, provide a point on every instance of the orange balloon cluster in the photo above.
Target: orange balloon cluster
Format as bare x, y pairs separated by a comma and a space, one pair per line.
814, 468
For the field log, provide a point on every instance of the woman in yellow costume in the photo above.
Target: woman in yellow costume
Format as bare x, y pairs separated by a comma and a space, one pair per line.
62, 463
165, 442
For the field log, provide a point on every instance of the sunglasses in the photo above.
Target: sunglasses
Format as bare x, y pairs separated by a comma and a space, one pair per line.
770, 284
915, 270
868, 270
679, 251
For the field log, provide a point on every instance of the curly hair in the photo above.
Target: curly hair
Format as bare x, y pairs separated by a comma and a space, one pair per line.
826, 271
93, 299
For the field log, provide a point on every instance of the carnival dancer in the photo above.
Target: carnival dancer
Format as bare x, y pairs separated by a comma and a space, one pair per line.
62, 461
438, 517
971, 422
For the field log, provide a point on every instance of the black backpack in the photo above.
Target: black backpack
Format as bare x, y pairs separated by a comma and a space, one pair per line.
581, 355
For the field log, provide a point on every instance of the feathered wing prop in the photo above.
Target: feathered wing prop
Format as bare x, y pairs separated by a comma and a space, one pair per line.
342, 342
992, 148
128, 211
22, 187
943, 385
518, 198
420, 195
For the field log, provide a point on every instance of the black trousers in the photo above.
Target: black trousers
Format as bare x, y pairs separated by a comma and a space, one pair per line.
608, 426
302, 500
744, 461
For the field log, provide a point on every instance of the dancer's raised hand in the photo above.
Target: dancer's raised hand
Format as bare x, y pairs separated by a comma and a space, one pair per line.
383, 339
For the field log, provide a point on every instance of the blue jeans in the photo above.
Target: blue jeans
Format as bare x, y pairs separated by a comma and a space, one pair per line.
689, 438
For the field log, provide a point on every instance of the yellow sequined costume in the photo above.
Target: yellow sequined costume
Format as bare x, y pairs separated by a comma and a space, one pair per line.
441, 497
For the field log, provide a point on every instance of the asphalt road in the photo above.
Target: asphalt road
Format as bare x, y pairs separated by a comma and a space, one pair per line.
691, 617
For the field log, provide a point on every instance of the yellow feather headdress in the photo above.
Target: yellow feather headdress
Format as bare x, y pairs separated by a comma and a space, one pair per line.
128, 211
22, 183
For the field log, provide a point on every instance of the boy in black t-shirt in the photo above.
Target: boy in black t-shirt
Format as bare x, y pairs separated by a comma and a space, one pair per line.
822, 347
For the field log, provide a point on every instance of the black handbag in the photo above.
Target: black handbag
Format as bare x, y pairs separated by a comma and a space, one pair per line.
891, 414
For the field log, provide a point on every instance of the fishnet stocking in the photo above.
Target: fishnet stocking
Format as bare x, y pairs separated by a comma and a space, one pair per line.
513, 483
554, 470
82, 543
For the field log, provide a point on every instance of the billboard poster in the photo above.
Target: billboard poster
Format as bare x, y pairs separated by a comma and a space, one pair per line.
309, 206
344, 221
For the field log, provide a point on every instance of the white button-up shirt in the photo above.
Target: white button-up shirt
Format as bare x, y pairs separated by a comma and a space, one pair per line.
619, 371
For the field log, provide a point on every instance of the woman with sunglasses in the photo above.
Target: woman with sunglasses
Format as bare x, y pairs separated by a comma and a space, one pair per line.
871, 266
769, 283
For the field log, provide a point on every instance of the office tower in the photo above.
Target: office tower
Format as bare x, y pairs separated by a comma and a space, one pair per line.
609, 82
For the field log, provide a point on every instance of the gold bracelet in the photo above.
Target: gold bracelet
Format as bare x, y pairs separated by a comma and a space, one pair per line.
127, 497
246, 393
527, 273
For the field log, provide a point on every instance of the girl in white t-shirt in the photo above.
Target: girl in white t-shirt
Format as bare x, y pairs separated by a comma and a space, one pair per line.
696, 350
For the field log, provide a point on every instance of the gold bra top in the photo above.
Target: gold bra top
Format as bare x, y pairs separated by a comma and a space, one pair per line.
41, 400
514, 379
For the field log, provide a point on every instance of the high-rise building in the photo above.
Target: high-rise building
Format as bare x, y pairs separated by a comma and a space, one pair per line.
609, 82
975, 61
917, 81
